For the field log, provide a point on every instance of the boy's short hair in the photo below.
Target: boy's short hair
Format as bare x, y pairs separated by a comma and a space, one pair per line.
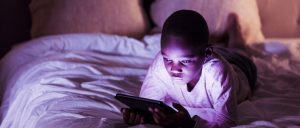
187, 24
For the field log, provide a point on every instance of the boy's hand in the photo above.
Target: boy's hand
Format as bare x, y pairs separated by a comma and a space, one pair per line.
131, 117
181, 118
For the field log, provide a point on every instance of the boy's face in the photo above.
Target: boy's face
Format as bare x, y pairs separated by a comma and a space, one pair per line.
181, 60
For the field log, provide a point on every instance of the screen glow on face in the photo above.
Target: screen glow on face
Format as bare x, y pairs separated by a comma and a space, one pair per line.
182, 65
184, 61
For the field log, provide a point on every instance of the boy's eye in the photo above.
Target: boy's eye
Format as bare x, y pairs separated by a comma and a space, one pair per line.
186, 61
167, 60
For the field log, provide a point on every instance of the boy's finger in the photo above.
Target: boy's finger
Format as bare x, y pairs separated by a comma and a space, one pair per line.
142, 120
160, 119
137, 119
156, 118
151, 109
125, 110
159, 113
131, 117
125, 114
179, 107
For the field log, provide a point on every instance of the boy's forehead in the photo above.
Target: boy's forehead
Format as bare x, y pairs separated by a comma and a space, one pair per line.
178, 42
175, 51
175, 42
178, 56
177, 45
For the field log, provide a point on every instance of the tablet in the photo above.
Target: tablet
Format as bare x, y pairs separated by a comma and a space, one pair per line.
142, 104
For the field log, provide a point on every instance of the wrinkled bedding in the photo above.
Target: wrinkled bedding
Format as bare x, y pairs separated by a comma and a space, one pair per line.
70, 81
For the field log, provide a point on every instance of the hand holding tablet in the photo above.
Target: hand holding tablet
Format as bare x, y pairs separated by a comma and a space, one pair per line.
143, 104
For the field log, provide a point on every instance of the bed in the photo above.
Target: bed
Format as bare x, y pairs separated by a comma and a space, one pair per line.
67, 76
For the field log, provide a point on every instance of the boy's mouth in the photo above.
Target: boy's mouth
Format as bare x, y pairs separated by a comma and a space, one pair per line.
176, 75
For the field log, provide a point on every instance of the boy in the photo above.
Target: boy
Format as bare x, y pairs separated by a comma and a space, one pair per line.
204, 83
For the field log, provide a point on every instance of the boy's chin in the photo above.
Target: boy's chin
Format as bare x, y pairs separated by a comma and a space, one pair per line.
178, 81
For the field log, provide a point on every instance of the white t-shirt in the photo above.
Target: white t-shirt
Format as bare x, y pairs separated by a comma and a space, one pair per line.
212, 102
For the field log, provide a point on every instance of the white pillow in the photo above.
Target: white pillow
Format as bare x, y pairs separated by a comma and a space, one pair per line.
215, 12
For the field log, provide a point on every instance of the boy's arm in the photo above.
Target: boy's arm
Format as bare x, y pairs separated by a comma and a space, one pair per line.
211, 117
154, 85
153, 88
220, 89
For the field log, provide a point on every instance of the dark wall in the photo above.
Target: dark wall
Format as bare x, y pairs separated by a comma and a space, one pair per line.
147, 7
15, 23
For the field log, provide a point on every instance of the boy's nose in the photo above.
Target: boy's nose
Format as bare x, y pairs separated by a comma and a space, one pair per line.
176, 68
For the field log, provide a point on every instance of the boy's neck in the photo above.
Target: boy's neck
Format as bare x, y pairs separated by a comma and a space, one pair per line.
190, 87
193, 82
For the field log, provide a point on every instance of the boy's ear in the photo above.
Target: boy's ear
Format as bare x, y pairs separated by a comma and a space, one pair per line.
208, 51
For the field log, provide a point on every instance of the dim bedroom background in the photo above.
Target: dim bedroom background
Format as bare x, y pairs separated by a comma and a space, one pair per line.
77, 55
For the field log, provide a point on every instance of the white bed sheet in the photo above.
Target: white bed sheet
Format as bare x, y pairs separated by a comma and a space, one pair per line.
70, 80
